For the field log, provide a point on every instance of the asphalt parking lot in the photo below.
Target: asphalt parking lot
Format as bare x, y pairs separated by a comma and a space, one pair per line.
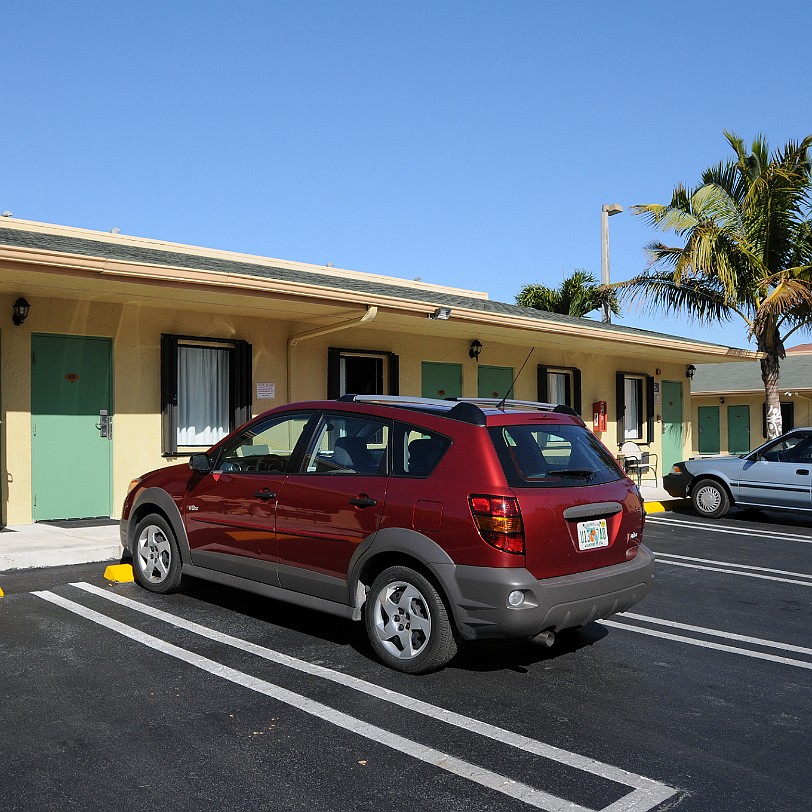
698, 699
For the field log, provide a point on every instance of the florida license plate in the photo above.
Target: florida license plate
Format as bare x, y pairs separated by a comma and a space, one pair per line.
592, 534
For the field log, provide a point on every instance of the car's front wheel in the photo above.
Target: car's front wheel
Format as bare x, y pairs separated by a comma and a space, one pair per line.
710, 499
407, 622
156, 557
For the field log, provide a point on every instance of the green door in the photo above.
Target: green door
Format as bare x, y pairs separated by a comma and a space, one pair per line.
495, 382
441, 380
738, 429
709, 430
71, 400
672, 424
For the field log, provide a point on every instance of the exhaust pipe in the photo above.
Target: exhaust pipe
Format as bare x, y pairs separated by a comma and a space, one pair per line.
546, 638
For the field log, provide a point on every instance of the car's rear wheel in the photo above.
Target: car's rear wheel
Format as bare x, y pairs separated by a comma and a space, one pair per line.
710, 498
407, 622
156, 557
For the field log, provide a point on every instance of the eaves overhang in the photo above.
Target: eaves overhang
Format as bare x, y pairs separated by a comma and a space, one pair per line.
400, 303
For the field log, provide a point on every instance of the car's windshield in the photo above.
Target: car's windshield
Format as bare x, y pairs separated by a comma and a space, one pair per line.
553, 456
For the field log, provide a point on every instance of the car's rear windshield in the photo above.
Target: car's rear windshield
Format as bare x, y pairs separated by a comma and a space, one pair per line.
553, 456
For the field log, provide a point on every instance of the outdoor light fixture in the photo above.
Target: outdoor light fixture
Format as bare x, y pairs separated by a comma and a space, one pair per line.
476, 349
441, 313
607, 210
20, 311
689, 372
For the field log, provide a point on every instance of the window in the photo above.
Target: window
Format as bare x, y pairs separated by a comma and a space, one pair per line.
348, 445
416, 451
264, 447
361, 372
205, 391
555, 456
560, 385
796, 449
635, 407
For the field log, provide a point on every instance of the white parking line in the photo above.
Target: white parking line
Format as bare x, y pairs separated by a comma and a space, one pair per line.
657, 621
661, 560
691, 641
732, 564
730, 529
646, 792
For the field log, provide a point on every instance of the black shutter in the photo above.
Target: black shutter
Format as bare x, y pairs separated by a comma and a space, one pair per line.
394, 374
334, 373
169, 395
576, 390
243, 382
543, 396
620, 406
649, 409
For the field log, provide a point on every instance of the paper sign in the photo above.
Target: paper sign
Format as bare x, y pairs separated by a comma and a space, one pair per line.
266, 391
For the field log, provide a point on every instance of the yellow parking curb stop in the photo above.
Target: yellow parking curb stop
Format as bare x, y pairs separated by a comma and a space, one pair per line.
2, 593
122, 573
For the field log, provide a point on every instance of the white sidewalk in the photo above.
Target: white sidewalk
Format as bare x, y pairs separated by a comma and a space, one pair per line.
27, 546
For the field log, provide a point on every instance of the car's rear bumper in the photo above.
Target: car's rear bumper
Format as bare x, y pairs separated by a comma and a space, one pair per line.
479, 597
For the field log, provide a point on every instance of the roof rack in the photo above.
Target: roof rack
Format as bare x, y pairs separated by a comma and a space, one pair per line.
500, 403
461, 410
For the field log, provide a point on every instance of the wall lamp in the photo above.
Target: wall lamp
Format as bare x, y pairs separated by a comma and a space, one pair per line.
20, 311
689, 372
441, 313
476, 349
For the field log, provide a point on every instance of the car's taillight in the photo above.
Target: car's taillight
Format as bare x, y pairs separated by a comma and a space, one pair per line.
499, 521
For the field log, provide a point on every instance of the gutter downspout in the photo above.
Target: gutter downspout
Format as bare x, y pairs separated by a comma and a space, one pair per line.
295, 339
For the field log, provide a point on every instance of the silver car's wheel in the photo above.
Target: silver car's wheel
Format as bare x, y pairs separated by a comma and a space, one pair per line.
710, 498
156, 558
407, 622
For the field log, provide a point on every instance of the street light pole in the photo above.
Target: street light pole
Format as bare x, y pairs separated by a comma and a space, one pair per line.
607, 210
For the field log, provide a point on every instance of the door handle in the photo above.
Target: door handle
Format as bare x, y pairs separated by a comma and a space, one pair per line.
265, 495
802, 472
363, 501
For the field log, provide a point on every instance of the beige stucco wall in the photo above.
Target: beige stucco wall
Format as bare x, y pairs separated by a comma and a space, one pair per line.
135, 331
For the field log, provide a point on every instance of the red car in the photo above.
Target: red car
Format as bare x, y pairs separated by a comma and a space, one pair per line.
434, 521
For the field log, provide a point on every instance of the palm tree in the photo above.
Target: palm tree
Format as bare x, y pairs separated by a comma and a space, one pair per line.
747, 252
578, 295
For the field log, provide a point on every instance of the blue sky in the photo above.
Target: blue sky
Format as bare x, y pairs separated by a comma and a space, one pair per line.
465, 143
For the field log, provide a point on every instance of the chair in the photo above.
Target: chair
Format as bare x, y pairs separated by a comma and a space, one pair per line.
637, 462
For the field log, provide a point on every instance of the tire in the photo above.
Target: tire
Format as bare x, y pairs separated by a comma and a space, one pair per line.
156, 556
407, 622
710, 499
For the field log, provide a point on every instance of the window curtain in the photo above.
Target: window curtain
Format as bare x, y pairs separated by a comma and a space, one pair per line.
203, 395
557, 387
633, 419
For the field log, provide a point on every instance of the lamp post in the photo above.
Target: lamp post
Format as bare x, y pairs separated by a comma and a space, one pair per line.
607, 210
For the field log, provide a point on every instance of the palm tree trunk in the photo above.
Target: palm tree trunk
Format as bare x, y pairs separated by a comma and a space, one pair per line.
770, 366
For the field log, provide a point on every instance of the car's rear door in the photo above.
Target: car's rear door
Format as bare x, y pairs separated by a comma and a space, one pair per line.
332, 503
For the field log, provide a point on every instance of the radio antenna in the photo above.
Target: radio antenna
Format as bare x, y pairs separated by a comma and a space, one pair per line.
501, 404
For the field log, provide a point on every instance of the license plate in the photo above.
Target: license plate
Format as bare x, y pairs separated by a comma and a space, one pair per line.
592, 534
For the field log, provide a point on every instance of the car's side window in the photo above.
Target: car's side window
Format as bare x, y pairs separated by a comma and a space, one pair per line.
264, 447
348, 445
416, 452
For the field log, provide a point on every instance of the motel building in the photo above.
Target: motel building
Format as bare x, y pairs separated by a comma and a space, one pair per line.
120, 354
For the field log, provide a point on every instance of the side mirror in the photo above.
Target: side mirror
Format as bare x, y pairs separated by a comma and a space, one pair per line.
200, 463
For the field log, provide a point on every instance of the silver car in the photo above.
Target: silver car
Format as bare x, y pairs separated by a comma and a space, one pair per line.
778, 474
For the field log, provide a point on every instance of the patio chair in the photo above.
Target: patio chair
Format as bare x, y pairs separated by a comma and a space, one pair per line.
637, 462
